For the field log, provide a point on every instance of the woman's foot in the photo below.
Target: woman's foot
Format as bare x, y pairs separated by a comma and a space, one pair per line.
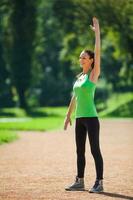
78, 185
98, 187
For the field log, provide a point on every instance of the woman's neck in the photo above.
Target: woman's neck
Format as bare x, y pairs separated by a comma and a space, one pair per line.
86, 72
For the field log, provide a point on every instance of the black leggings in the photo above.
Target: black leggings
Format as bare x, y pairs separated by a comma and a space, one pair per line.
83, 126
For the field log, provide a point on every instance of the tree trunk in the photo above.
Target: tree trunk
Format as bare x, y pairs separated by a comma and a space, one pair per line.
22, 99
23, 24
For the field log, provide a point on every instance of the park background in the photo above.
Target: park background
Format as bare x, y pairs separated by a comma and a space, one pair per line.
40, 43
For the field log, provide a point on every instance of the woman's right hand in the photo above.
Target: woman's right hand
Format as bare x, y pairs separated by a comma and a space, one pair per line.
66, 122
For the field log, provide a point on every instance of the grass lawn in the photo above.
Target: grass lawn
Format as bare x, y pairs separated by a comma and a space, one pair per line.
7, 136
39, 119
49, 118
119, 106
37, 124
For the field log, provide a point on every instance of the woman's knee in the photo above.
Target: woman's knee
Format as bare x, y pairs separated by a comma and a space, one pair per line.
95, 152
81, 153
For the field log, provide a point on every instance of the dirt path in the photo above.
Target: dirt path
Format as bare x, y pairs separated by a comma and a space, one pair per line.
40, 165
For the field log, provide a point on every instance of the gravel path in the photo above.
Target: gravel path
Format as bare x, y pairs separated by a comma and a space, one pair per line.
39, 165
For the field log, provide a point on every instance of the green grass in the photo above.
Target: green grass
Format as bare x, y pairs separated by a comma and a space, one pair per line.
12, 112
7, 136
119, 106
39, 119
51, 118
37, 124
34, 112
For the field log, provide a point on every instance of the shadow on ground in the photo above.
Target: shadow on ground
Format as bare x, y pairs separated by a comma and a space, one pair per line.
109, 194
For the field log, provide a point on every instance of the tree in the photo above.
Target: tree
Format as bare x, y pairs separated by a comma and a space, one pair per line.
56, 73
6, 96
115, 17
23, 23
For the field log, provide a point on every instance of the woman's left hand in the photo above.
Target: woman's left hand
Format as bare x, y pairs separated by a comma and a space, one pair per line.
95, 26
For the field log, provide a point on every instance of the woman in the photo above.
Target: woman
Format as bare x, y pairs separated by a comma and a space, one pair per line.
86, 114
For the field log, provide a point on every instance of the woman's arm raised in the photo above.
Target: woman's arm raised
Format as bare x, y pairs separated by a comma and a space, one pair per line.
96, 70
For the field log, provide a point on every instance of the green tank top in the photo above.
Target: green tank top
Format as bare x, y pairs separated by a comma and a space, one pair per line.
84, 91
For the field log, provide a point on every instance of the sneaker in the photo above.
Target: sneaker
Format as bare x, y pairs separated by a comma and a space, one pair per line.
98, 187
78, 185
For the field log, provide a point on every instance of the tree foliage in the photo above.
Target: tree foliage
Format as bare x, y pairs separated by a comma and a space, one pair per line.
116, 23
40, 42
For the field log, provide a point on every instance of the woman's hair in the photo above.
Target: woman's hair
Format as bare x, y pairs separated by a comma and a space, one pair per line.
91, 55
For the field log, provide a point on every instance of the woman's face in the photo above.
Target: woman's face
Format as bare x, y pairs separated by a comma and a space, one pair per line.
85, 60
